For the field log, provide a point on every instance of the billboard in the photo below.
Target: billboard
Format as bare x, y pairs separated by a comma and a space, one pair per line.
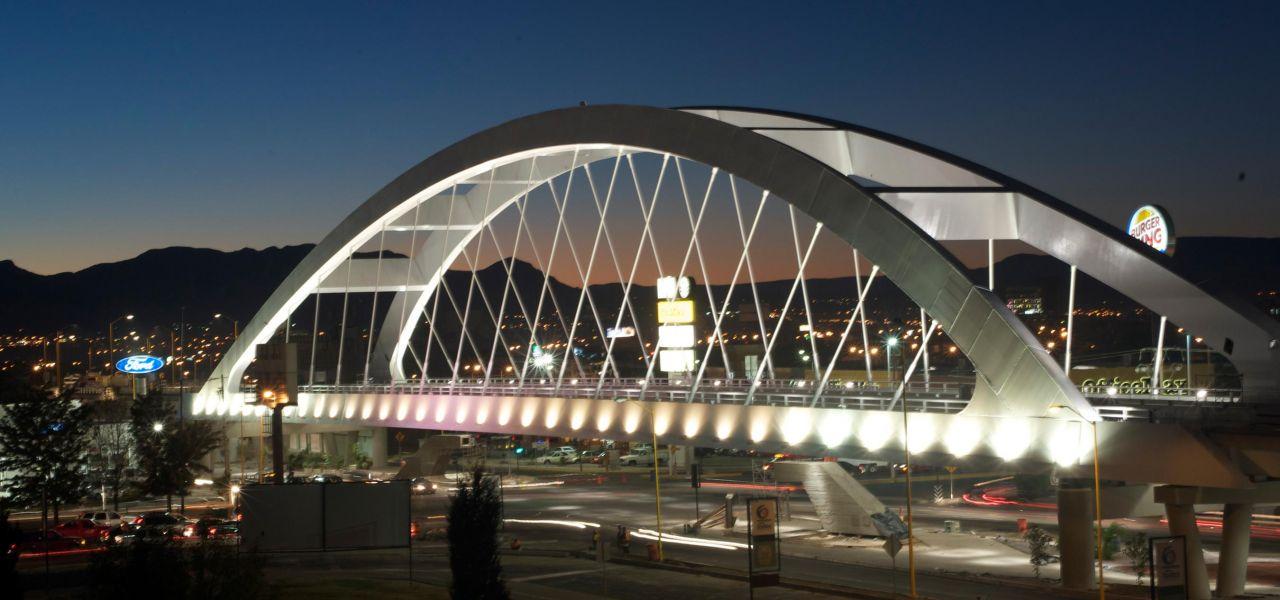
676, 361
675, 312
1151, 226
675, 336
139, 364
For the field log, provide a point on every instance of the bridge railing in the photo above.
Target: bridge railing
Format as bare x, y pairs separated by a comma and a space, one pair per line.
947, 397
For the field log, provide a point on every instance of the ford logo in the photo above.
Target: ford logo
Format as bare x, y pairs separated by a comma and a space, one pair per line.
139, 364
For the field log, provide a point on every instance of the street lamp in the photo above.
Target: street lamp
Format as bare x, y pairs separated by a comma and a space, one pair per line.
889, 345
157, 427
1097, 488
657, 488
111, 338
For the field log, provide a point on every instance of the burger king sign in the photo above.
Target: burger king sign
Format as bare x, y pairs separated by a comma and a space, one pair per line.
1152, 227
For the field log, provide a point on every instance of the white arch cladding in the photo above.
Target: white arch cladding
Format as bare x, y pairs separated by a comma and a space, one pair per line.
952, 199
1016, 376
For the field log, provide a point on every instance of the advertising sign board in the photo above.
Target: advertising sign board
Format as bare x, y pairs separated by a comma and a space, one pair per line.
139, 364
1151, 226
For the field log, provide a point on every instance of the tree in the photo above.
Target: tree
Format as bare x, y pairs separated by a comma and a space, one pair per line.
168, 450
112, 441
1135, 549
1039, 541
474, 517
43, 442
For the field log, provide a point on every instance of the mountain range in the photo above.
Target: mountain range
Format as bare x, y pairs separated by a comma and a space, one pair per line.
169, 284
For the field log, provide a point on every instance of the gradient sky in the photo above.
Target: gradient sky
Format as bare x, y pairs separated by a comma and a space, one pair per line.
125, 127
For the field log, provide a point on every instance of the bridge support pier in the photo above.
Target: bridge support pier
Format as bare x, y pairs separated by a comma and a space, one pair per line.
1237, 520
1075, 534
1182, 521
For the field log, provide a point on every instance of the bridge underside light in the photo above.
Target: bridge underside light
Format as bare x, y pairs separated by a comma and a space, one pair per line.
875, 430
759, 426
442, 410
505, 410
1011, 438
421, 412
604, 416
402, 407
692, 420
796, 426
724, 427
922, 433
578, 415
482, 412
1065, 445
460, 411
963, 436
551, 416
528, 412
631, 417
835, 428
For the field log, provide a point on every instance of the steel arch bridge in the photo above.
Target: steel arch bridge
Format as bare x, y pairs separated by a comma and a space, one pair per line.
889, 200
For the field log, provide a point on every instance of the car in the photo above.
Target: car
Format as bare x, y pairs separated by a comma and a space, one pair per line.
568, 449
639, 458
594, 457
40, 542
158, 525
113, 519
557, 457
223, 529
86, 530
422, 485
327, 478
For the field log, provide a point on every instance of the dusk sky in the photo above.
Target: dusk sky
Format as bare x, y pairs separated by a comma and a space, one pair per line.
125, 127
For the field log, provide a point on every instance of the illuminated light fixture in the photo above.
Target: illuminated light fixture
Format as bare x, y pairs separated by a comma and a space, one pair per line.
551, 416
482, 413
922, 433
505, 410
796, 426
604, 417
460, 412
962, 437
527, 414
631, 418
759, 427
421, 413
157, 427
875, 430
442, 410
1202, 394
1011, 439
577, 417
724, 427
1065, 448
1111, 391
835, 428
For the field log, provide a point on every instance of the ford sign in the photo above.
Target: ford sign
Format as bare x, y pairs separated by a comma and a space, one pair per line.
139, 364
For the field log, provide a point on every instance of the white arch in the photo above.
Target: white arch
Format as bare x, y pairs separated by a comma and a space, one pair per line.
1015, 375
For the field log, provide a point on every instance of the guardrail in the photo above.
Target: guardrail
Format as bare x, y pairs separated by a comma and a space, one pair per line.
944, 397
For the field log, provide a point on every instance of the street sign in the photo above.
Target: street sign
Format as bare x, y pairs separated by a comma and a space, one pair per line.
1168, 567
891, 546
764, 558
951, 469
139, 364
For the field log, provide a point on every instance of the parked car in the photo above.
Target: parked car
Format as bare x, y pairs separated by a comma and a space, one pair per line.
594, 457
40, 542
569, 449
86, 530
158, 524
422, 485
327, 478
113, 519
228, 529
639, 458
557, 457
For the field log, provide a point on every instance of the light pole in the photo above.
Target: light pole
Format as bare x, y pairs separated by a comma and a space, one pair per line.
111, 339
653, 450
889, 345
1097, 490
